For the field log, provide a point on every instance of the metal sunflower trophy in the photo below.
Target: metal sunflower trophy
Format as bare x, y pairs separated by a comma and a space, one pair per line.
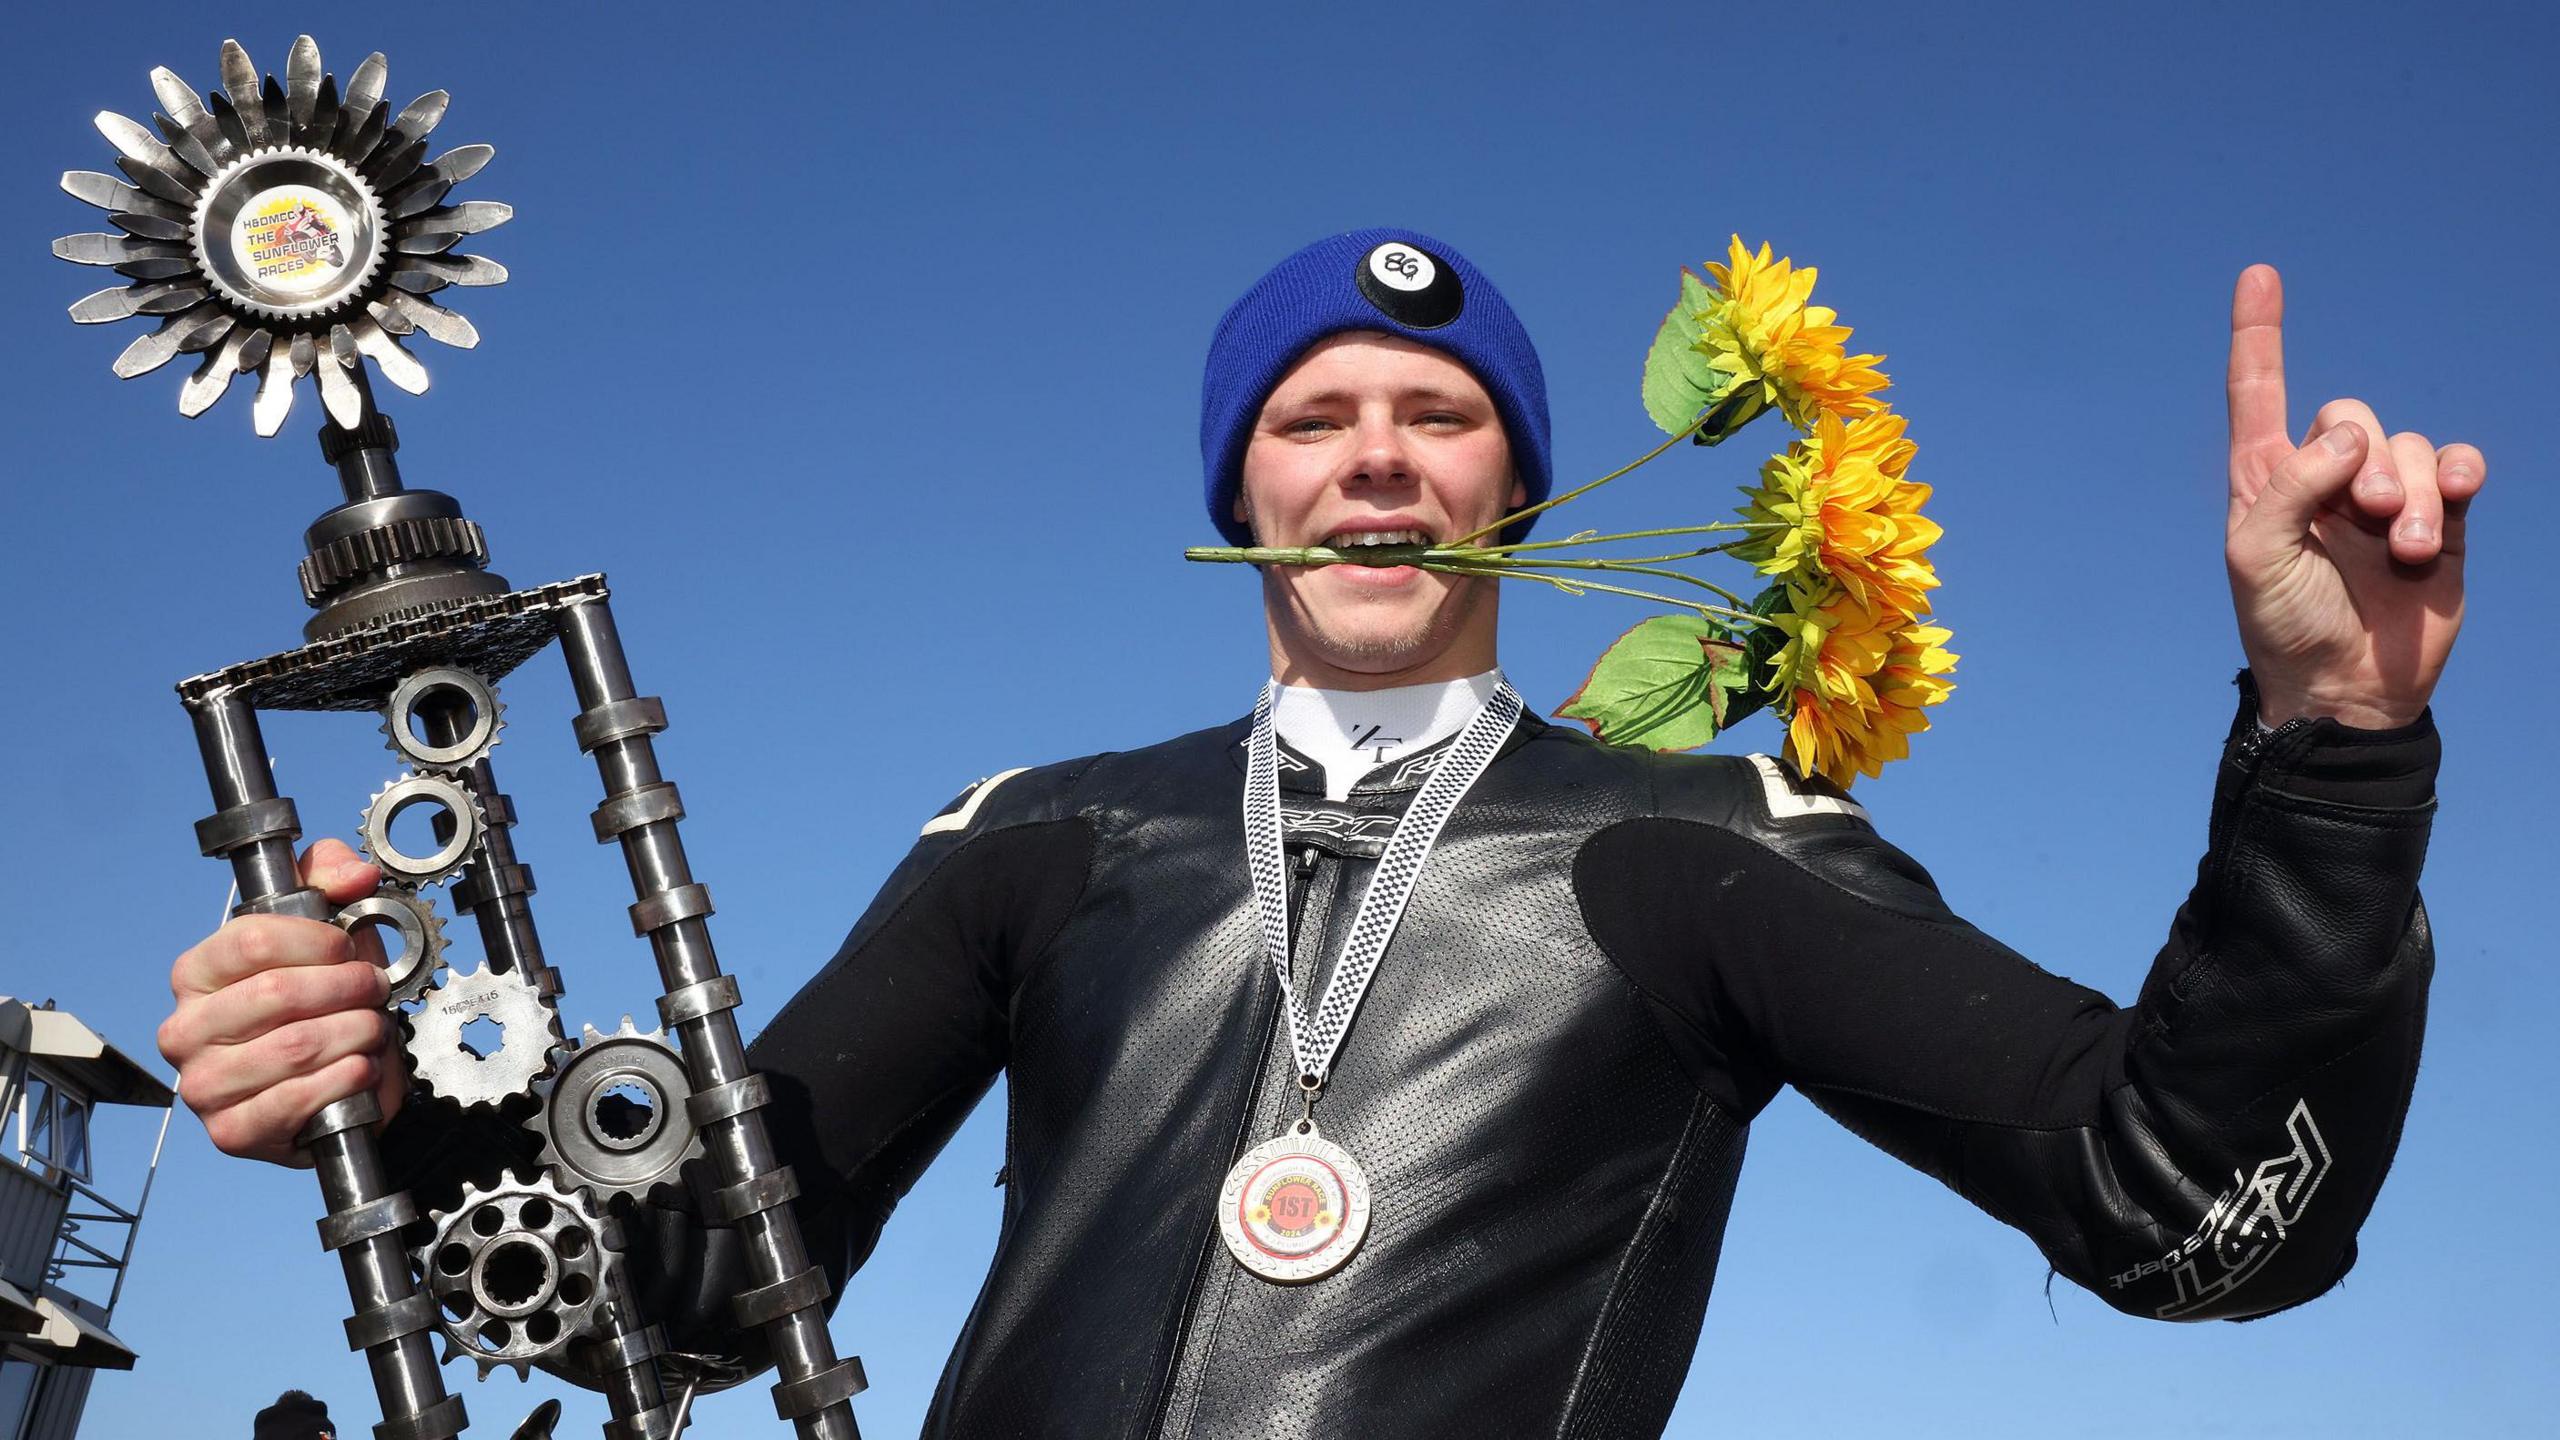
295, 230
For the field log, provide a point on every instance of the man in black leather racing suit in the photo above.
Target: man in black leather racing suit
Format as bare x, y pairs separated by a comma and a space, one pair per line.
1610, 963
1614, 962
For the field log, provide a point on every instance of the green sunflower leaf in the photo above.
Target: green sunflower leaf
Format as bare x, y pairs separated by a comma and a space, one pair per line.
1678, 379
1663, 685
1759, 647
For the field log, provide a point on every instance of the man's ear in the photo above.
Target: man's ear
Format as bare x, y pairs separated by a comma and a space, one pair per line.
1242, 511
1519, 492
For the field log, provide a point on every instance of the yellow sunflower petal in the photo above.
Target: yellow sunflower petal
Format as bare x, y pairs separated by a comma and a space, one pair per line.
1763, 330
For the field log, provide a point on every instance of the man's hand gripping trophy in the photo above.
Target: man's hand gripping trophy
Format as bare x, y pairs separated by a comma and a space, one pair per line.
277, 1017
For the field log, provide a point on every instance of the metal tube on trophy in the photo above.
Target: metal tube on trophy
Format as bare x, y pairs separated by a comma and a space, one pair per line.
295, 230
254, 828
496, 889
640, 810
632, 1388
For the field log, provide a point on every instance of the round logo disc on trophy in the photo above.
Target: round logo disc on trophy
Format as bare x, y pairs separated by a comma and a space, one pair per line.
289, 233
288, 230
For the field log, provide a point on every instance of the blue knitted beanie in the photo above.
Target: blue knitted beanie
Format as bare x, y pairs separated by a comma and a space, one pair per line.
1396, 282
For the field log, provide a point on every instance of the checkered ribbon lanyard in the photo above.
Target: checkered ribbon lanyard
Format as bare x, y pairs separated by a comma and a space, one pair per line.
1296, 1206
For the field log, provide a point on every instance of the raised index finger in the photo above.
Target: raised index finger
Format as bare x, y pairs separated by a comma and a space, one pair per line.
2256, 380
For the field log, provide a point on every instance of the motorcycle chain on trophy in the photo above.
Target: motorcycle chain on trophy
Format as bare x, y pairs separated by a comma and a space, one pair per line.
449, 683
518, 1269
355, 669
614, 1119
452, 852
527, 1040
409, 914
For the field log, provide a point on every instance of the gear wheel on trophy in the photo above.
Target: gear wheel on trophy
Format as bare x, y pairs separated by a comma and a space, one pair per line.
458, 1060
453, 848
520, 1269
469, 700
408, 541
412, 917
614, 1119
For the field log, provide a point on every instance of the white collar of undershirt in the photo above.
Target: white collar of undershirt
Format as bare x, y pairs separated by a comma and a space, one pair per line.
1351, 732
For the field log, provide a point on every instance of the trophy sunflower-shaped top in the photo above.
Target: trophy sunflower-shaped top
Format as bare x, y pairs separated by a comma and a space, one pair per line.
290, 229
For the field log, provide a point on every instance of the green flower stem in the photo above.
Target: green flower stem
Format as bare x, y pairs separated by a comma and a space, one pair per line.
1718, 424
1505, 557
1576, 587
1515, 517
1627, 567
1623, 535
1302, 555
1462, 561
1702, 550
1453, 565
1464, 554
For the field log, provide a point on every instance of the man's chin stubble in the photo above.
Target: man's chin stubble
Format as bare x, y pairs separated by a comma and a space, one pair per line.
1404, 647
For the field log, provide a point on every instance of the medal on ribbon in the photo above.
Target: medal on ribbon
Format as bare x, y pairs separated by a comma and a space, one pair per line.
1296, 1207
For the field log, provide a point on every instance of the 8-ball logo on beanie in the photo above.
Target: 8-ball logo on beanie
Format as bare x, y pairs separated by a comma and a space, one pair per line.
1396, 282
1411, 287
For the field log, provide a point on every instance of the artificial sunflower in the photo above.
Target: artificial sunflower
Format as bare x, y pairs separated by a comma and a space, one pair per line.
1842, 509
1859, 686
1834, 641
1912, 678
1780, 350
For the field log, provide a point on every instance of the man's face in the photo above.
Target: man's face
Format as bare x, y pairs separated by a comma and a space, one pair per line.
1374, 437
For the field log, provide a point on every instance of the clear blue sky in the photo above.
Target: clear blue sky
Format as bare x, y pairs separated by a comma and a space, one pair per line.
860, 346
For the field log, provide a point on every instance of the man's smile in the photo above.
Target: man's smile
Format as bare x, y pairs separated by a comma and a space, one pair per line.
1378, 533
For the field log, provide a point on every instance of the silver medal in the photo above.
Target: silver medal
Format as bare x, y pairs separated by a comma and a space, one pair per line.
1296, 1207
